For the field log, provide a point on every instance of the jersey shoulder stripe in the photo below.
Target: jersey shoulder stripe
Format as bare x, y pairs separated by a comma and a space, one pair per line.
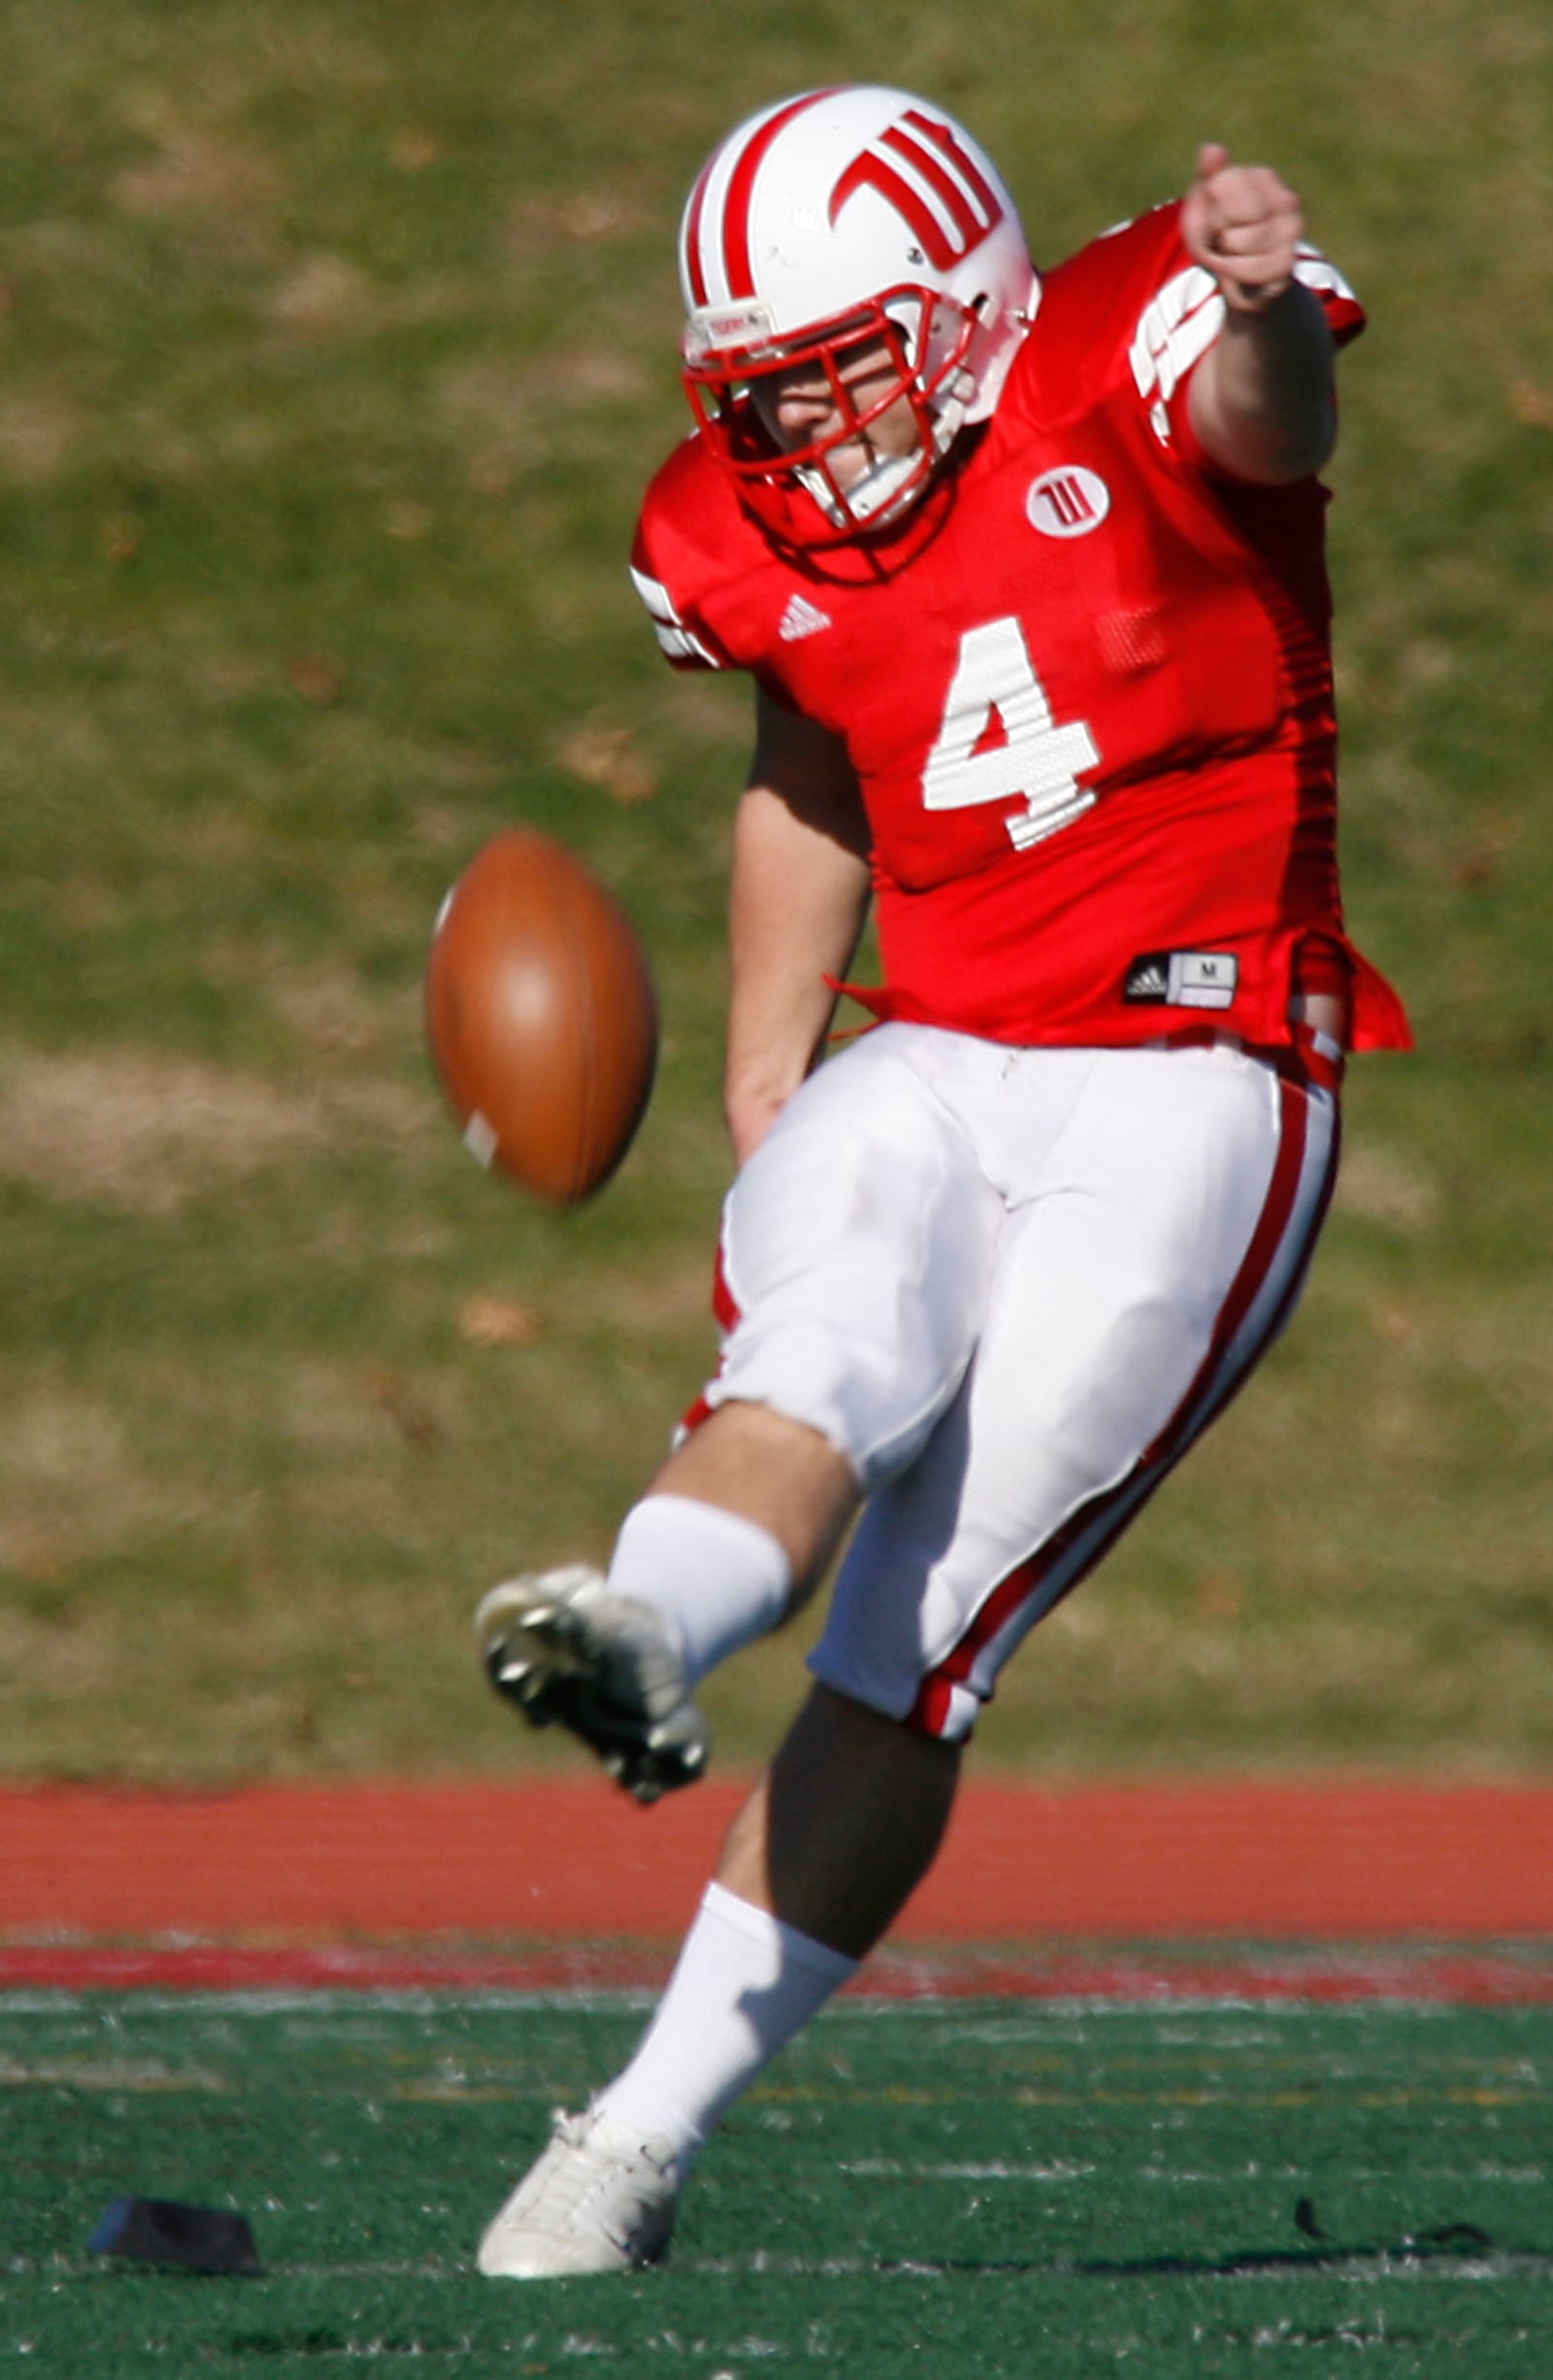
681, 643
1133, 302
693, 545
1176, 328
1345, 312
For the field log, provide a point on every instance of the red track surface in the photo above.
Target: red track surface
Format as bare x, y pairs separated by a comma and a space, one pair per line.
531, 1883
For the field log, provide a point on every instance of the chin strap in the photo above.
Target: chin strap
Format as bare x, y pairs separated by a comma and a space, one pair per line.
872, 498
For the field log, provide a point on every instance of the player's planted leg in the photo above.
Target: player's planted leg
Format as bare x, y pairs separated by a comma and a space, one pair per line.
820, 1861
596, 2202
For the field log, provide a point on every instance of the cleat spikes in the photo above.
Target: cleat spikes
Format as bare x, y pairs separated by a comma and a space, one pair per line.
566, 1652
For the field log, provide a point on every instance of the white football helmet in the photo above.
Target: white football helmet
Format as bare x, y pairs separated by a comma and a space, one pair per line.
837, 221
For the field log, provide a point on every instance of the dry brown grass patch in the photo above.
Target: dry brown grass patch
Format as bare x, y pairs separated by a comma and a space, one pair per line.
146, 1131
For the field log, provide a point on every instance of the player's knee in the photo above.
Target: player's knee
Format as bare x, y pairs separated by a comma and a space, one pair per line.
855, 1386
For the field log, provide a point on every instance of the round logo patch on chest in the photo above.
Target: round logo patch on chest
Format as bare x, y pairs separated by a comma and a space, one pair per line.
1068, 501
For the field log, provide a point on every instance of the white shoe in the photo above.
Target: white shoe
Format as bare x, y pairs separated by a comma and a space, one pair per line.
596, 2202
564, 1650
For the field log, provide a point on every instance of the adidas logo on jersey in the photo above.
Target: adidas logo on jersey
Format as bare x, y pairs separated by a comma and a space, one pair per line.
1147, 980
802, 618
1183, 978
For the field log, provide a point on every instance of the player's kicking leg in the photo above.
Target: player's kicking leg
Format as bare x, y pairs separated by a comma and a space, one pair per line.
735, 1532
844, 1345
567, 1652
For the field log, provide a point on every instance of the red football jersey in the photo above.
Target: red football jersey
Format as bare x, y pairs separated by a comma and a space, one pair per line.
1087, 685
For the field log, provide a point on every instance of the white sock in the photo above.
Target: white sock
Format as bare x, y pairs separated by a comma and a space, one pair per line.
718, 1580
743, 1985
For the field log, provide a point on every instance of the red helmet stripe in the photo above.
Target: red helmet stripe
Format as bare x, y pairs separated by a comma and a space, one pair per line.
965, 164
872, 172
741, 189
949, 205
962, 207
694, 268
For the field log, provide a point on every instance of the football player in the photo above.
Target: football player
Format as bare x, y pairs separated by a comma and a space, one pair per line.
1027, 571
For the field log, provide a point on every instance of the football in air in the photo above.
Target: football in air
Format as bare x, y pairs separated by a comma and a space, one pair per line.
541, 1016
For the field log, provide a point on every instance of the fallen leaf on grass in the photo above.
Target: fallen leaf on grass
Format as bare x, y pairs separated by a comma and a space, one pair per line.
412, 149
414, 1419
315, 677
499, 1322
602, 756
1531, 406
118, 539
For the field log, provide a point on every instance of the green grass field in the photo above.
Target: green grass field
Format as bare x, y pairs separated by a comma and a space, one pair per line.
982, 2188
337, 339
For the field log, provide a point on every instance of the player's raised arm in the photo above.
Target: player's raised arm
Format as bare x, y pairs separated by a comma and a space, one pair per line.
799, 896
1263, 398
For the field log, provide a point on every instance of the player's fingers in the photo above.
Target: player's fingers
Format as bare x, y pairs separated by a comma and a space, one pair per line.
1251, 194
1249, 232
1265, 235
1198, 211
1243, 224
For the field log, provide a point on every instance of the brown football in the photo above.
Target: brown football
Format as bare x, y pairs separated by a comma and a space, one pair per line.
541, 1017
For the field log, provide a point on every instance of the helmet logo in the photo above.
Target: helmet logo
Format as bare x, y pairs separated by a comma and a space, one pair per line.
931, 179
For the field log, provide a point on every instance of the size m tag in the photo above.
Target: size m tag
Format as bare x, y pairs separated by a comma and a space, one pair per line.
1182, 979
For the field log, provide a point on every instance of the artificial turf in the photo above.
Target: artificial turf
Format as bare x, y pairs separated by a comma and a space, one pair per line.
983, 2186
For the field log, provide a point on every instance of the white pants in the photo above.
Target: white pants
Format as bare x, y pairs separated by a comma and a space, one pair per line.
1013, 1286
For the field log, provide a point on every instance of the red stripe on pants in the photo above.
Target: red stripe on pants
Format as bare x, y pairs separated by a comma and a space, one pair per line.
1093, 1529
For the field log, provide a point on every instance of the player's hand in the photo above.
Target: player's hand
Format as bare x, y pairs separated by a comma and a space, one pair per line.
1243, 224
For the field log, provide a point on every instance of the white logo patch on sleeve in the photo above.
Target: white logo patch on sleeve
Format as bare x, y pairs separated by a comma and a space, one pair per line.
1069, 502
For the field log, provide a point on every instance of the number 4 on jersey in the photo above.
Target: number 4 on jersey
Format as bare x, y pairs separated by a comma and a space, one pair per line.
999, 740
